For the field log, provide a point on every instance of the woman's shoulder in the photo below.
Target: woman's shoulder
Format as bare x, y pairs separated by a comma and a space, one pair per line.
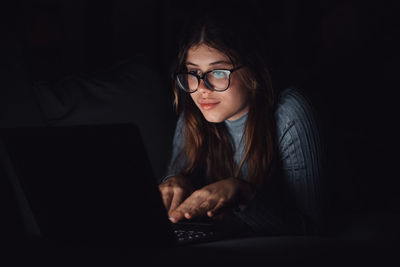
292, 107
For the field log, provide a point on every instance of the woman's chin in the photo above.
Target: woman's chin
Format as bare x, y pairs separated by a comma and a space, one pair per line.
213, 118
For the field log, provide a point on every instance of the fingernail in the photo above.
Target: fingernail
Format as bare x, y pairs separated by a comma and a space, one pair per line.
172, 219
187, 215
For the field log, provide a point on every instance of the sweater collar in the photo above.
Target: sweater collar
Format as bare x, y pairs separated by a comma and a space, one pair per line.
237, 125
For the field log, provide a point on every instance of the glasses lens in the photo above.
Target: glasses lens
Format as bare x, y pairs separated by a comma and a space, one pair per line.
187, 82
218, 79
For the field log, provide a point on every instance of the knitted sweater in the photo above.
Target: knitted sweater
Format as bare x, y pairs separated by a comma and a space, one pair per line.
295, 207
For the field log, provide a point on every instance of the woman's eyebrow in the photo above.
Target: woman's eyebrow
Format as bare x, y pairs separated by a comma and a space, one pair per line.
221, 62
190, 63
212, 63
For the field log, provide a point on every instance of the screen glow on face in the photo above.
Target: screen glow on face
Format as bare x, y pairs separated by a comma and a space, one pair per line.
216, 106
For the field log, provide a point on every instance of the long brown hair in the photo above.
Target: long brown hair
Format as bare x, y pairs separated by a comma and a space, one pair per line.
207, 146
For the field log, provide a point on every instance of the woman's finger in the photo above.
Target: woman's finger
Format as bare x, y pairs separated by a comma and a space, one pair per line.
220, 205
166, 198
177, 198
198, 205
202, 208
186, 208
176, 215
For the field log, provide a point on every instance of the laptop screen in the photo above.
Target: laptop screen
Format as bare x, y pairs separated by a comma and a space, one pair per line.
89, 184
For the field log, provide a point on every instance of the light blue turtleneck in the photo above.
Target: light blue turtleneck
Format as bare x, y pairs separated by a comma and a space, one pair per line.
236, 129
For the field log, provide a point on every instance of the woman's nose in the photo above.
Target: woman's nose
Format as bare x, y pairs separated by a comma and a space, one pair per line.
203, 87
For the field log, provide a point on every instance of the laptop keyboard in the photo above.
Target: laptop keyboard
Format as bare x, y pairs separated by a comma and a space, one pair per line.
187, 233
188, 236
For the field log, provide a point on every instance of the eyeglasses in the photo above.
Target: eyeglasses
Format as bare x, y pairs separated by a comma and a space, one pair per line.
215, 80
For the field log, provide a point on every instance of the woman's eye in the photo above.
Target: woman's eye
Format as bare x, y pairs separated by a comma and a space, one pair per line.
218, 74
194, 72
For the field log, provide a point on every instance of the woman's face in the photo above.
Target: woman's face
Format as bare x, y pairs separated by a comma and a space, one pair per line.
230, 104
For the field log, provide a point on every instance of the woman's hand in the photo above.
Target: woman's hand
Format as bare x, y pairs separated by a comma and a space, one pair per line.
212, 198
174, 190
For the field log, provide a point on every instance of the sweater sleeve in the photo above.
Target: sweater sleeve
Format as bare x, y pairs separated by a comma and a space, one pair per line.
301, 158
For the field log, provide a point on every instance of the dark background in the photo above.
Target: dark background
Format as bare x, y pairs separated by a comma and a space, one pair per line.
342, 54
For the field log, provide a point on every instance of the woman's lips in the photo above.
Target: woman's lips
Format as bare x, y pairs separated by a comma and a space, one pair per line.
208, 105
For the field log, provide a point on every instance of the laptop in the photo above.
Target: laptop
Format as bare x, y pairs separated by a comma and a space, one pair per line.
90, 185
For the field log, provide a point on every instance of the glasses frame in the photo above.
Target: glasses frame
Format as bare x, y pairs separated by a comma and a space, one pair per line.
205, 81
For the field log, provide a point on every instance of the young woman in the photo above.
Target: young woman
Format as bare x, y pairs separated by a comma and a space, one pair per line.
238, 149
